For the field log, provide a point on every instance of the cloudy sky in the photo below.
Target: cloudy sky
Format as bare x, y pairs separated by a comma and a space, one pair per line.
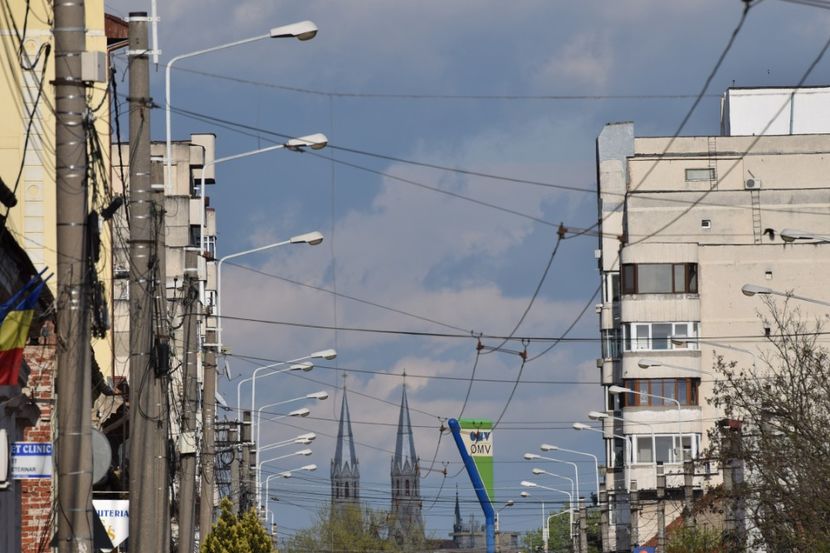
472, 85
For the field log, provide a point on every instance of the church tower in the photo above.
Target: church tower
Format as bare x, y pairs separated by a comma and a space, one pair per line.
407, 521
345, 475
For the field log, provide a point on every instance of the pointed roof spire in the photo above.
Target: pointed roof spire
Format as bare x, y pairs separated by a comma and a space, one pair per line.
344, 432
457, 508
405, 443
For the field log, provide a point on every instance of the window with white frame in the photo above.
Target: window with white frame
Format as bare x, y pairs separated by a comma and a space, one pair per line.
611, 287
665, 447
611, 343
659, 336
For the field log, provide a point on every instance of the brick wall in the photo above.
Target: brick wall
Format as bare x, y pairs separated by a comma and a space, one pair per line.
36, 495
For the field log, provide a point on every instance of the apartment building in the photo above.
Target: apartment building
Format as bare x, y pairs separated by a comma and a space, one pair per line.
685, 223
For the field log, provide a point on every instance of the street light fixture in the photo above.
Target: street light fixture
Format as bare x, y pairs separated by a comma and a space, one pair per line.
620, 390
535, 456
753, 289
315, 395
598, 415
574, 489
791, 235
298, 364
327, 354
549, 447
528, 484
653, 363
310, 238
284, 474
626, 444
302, 30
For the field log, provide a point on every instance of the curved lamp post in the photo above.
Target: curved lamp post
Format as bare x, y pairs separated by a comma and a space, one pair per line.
534, 456
303, 30
284, 474
753, 289
549, 447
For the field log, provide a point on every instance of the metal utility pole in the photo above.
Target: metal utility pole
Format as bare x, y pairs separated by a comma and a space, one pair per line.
74, 388
245, 476
583, 526
233, 439
661, 509
190, 390
602, 501
208, 438
147, 477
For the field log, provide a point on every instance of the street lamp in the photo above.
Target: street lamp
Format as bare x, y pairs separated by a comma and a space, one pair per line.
327, 354
791, 235
310, 238
528, 484
752, 289
687, 341
284, 474
302, 452
626, 444
620, 390
302, 439
549, 447
537, 471
598, 415
508, 503
653, 363
293, 365
314, 141
535, 456
315, 395
303, 30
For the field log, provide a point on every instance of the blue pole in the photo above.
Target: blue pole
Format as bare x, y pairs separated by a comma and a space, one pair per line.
478, 486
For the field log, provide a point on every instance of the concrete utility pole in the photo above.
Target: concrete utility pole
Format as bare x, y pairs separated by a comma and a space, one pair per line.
661, 509
688, 492
74, 387
603, 517
233, 439
733, 476
190, 390
208, 438
245, 476
583, 526
147, 480
634, 502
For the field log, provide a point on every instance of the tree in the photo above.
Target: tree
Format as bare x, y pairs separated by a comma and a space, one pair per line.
231, 534
784, 406
347, 528
694, 540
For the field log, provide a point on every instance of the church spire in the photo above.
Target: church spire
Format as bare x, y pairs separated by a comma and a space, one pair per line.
345, 475
405, 443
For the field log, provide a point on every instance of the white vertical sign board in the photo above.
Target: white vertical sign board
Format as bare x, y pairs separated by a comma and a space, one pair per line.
115, 516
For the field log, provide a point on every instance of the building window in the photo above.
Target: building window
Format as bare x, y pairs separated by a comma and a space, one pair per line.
406, 483
611, 342
195, 235
665, 447
659, 278
700, 174
659, 336
611, 288
684, 390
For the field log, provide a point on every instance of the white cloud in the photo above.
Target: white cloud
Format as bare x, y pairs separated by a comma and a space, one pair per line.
586, 60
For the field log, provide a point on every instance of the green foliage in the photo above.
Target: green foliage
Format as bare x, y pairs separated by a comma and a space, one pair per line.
237, 535
347, 529
559, 539
694, 540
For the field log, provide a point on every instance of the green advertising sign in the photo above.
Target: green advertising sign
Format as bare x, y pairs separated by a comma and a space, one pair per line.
477, 435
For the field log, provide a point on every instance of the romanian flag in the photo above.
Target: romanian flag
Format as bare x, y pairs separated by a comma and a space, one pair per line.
15, 319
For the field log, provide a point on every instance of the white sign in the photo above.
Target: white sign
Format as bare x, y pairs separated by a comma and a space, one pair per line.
478, 443
115, 516
31, 460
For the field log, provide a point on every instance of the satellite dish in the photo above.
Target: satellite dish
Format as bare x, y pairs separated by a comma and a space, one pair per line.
101, 456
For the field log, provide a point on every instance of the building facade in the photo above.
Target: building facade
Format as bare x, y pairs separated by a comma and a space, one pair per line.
407, 521
685, 223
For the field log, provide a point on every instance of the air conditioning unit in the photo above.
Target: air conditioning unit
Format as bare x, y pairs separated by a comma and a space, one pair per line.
752, 184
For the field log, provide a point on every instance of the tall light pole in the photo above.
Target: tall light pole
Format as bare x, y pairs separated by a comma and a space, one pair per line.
622, 390
302, 412
284, 474
626, 443
528, 484
314, 395
534, 456
549, 447
311, 238
302, 452
327, 354
303, 30
574, 490
293, 366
